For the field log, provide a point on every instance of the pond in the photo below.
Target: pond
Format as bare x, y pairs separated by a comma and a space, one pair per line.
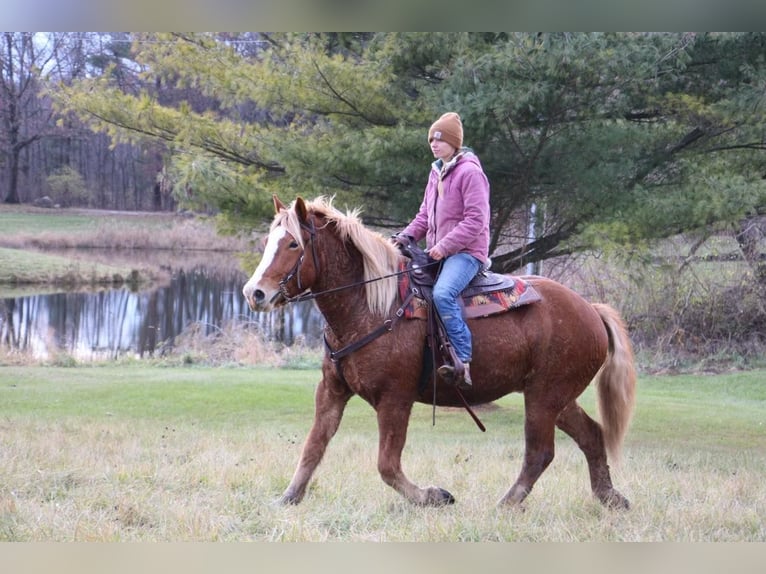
119, 322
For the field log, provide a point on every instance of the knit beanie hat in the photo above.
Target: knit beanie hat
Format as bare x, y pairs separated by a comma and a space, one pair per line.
447, 128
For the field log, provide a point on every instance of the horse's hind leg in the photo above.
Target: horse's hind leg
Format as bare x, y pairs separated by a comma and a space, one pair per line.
539, 432
330, 402
588, 435
393, 418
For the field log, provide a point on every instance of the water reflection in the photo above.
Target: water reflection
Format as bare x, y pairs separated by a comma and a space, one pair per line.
118, 322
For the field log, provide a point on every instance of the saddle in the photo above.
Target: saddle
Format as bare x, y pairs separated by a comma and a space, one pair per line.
487, 294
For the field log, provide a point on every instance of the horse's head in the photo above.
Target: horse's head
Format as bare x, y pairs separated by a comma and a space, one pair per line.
289, 265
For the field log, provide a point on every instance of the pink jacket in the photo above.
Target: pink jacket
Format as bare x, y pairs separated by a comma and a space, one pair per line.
458, 221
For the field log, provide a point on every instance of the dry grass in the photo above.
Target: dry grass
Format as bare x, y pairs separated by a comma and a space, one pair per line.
240, 343
118, 482
684, 315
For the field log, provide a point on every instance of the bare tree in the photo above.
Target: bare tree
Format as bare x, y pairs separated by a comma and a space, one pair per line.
25, 57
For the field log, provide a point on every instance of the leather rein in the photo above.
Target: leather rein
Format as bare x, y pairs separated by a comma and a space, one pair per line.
293, 273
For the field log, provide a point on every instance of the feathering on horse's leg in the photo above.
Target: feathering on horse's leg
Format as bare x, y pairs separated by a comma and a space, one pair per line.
330, 402
392, 428
589, 437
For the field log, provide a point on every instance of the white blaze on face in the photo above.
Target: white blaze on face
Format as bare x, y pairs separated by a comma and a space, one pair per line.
272, 243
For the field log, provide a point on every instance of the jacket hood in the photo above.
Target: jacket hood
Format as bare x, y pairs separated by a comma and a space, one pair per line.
464, 155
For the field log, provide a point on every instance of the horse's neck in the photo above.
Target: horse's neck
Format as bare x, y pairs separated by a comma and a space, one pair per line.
346, 315
344, 307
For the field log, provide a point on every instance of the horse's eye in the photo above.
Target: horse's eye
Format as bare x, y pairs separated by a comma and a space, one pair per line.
293, 245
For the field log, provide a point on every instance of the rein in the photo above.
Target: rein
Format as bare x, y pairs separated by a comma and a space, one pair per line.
313, 295
303, 296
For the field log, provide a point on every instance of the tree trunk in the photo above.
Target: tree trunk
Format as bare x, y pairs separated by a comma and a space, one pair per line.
13, 181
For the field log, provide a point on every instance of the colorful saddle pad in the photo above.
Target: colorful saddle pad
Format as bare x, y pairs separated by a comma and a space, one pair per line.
489, 302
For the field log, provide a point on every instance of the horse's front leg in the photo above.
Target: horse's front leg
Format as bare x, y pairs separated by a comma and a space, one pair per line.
393, 418
330, 402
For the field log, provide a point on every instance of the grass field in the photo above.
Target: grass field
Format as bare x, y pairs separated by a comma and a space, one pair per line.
22, 220
24, 226
154, 453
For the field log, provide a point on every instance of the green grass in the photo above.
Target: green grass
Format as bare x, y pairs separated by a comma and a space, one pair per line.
715, 411
15, 220
147, 394
28, 267
720, 411
23, 225
726, 411
135, 451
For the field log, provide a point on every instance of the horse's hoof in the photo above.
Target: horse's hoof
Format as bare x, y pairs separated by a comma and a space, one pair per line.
286, 500
447, 497
620, 504
441, 497
436, 496
615, 500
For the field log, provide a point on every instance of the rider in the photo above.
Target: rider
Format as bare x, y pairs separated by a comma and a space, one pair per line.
454, 219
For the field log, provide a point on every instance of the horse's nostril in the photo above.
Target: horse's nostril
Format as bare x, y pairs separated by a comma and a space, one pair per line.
259, 295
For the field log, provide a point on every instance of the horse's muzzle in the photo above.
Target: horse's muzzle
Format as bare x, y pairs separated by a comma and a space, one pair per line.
259, 300
256, 299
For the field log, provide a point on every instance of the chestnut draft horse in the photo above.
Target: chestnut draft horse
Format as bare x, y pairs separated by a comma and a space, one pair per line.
549, 350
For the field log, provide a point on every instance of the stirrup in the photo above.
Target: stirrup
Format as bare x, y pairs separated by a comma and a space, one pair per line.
456, 376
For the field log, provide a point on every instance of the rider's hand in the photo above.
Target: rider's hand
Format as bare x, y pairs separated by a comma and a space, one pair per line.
435, 253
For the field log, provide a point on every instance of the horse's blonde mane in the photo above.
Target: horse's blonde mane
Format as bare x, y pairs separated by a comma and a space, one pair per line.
380, 256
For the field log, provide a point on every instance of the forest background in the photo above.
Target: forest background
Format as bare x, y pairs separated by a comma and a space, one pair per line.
638, 153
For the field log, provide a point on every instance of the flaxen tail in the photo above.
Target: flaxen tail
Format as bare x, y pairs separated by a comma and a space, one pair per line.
615, 382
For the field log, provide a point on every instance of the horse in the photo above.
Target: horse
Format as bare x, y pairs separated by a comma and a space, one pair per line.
550, 351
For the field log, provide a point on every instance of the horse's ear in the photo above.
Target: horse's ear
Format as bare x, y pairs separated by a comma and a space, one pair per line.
278, 205
301, 209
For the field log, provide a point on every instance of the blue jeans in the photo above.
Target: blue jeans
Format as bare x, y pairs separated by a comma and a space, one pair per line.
456, 273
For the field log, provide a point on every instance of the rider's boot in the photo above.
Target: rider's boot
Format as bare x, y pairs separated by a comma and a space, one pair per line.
457, 376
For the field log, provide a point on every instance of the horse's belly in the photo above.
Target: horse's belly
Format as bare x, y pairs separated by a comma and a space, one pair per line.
487, 387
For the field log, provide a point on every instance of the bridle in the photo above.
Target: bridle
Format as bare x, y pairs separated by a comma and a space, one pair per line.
295, 271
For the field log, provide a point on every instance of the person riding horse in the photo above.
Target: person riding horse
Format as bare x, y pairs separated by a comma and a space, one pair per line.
550, 351
454, 220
